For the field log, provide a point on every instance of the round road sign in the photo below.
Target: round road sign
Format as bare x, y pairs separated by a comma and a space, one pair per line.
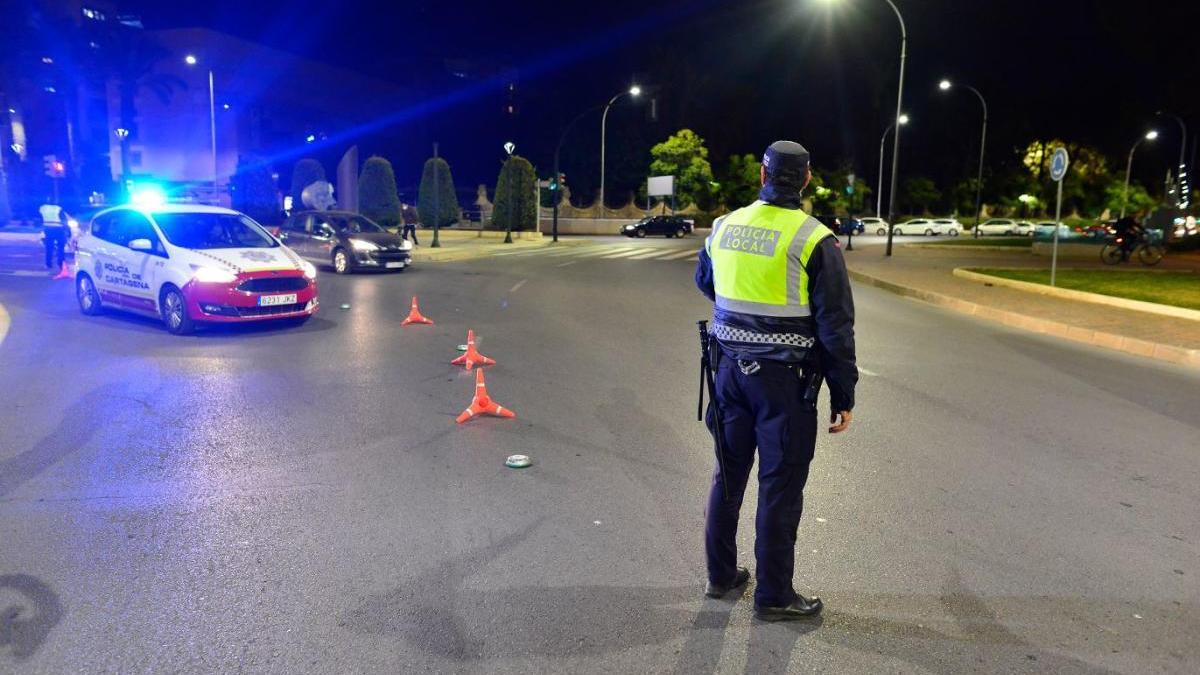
1058, 164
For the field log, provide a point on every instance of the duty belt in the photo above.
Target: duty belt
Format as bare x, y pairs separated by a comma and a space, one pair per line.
727, 333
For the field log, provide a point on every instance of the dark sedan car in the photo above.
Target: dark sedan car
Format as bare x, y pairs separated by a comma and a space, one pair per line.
347, 241
671, 226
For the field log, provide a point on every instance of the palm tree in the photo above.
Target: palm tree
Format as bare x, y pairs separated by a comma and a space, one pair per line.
129, 56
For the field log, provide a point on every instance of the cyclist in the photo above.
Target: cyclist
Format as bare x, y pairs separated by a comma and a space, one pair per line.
1129, 232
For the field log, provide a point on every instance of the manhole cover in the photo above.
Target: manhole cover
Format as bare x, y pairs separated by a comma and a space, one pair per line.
518, 461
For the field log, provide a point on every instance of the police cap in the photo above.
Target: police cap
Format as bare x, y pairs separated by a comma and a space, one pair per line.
786, 159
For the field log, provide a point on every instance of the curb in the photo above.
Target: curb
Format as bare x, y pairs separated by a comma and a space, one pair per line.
1081, 296
1113, 341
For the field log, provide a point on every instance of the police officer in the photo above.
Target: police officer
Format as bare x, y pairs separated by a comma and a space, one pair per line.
783, 320
56, 232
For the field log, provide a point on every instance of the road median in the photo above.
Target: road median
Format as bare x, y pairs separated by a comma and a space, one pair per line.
1171, 339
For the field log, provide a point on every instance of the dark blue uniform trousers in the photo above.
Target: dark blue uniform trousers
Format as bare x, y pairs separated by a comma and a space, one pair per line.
764, 410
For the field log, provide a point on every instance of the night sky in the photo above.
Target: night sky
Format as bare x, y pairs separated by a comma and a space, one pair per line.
745, 73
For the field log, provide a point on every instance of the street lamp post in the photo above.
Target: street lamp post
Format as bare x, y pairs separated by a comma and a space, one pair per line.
1150, 135
882, 140
191, 60
945, 85
896, 138
633, 91
1182, 176
510, 147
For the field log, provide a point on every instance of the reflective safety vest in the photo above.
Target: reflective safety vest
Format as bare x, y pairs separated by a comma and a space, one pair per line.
51, 215
759, 254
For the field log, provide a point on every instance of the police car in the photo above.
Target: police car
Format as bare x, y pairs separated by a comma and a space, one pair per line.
189, 264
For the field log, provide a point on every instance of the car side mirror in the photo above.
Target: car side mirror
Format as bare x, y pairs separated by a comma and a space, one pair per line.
141, 244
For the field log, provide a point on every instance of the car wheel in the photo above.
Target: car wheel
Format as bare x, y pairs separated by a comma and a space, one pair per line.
881, 232
640, 233
341, 261
928, 232
173, 309
1008, 233
89, 299
680, 233
953, 233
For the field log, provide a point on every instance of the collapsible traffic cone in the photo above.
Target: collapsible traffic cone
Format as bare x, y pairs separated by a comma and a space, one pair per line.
472, 358
483, 404
63, 273
414, 315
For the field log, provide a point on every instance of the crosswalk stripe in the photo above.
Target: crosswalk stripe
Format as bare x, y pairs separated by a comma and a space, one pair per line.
604, 250
682, 255
651, 254
625, 254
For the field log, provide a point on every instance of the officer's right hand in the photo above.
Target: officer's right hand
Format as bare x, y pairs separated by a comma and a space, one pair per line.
839, 425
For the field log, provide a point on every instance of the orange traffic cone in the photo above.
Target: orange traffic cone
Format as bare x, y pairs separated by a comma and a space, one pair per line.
414, 315
63, 273
483, 404
472, 358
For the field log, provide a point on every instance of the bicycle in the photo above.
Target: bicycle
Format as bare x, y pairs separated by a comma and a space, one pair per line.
1148, 253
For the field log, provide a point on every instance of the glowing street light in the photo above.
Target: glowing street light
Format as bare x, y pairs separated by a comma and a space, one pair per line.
633, 92
1150, 136
903, 119
899, 104
191, 60
945, 85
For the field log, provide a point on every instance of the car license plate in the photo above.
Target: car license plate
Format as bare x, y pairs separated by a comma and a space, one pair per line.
394, 265
272, 300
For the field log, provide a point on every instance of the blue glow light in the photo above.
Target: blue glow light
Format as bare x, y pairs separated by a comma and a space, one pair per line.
147, 196
310, 138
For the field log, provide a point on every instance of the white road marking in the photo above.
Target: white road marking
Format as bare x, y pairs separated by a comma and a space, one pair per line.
517, 286
24, 273
868, 373
651, 254
604, 250
569, 262
5, 322
626, 254
682, 255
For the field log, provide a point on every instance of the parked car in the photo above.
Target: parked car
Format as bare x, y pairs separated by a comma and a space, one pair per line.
877, 225
1024, 228
924, 226
1101, 230
1001, 226
188, 265
1045, 230
670, 226
346, 240
852, 224
833, 222
948, 226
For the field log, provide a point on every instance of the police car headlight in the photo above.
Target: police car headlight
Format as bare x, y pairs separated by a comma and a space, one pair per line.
310, 270
406, 245
360, 245
214, 275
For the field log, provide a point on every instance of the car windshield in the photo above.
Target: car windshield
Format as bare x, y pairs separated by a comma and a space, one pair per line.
355, 225
213, 230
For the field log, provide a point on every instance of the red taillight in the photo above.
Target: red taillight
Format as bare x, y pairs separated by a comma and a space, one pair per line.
1120, 240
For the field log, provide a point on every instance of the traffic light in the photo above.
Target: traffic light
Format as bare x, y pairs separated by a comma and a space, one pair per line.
557, 183
55, 167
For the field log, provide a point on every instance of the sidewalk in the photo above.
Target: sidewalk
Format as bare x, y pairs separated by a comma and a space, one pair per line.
927, 275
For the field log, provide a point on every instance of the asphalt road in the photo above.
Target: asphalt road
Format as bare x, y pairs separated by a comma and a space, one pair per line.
300, 500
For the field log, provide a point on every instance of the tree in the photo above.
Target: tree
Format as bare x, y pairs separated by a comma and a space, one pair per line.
741, 182
254, 190
447, 201
306, 172
515, 195
377, 197
1138, 198
920, 193
684, 156
1087, 176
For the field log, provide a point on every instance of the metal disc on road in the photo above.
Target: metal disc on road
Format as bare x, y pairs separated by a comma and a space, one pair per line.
518, 461
462, 348
346, 305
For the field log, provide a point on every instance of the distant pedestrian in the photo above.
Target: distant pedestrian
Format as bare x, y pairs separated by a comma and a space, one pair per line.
409, 215
56, 232
783, 320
